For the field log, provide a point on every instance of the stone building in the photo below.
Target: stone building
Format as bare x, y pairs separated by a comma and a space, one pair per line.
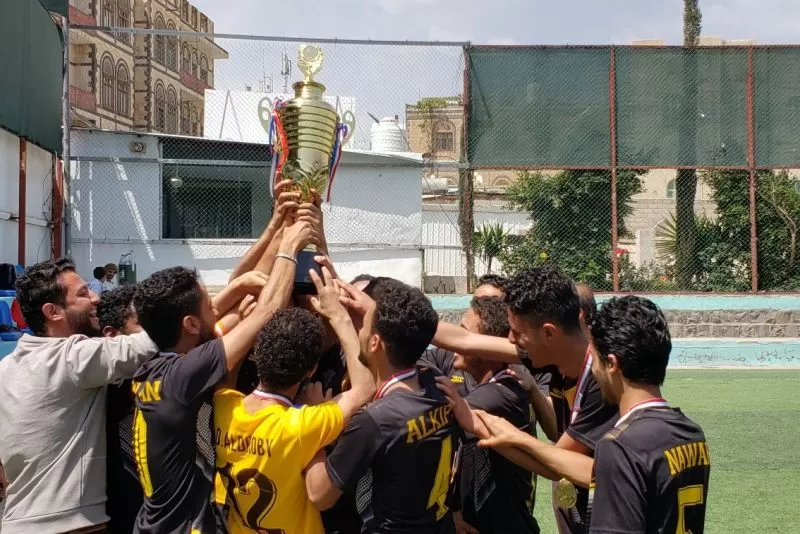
140, 82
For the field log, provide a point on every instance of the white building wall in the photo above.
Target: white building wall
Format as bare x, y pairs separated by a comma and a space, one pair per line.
373, 225
38, 202
442, 242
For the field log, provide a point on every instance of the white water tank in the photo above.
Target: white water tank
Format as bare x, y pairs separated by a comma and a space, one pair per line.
387, 136
433, 185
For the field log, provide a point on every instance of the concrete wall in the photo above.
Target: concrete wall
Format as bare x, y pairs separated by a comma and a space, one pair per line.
373, 224
38, 200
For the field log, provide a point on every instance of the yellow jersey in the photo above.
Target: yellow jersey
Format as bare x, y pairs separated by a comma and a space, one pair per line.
261, 457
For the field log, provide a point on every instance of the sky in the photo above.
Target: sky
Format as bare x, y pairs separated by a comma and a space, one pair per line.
384, 79
506, 21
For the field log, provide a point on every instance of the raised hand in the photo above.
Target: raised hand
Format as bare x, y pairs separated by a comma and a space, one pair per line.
326, 302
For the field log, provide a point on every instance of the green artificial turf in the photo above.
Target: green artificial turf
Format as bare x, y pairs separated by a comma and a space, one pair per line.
752, 423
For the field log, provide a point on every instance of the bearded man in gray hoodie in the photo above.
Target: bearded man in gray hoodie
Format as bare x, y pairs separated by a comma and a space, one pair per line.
52, 404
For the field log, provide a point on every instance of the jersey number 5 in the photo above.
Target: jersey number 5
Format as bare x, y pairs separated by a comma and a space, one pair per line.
687, 496
252, 494
441, 484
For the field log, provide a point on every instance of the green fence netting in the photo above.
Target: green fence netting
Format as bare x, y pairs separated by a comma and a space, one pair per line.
681, 107
777, 106
32, 73
539, 107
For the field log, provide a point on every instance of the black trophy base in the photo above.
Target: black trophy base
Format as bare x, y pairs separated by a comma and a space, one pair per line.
303, 285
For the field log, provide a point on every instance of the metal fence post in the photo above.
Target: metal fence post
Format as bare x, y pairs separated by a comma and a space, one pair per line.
612, 104
751, 163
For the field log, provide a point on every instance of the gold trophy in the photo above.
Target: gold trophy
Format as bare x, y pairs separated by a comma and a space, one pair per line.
308, 140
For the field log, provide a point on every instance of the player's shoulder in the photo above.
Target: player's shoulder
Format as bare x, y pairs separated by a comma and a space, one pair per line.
654, 425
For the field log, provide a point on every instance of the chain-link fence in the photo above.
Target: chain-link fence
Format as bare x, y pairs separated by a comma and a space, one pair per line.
634, 168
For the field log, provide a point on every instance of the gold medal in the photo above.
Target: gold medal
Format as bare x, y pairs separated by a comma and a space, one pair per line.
566, 494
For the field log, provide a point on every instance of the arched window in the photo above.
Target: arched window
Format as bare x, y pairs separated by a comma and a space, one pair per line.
186, 58
194, 63
107, 13
159, 51
184, 118
671, 189
123, 20
172, 48
160, 108
123, 90
501, 181
172, 110
107, 83
204, 69
195, 122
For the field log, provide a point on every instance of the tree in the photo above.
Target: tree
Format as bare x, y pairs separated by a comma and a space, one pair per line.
571, 214
726, 257
489, 242
686, 179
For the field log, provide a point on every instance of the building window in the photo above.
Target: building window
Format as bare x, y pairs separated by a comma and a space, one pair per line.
160, 108
443, 142
159, 52
194, 18
203, 24
185, 10
185, 128
107, 13
194, 63
204, 69
107, 88
123, 90
195, 120
123, 20
207, 202
172, 111
172, 48
186, 58
671, 189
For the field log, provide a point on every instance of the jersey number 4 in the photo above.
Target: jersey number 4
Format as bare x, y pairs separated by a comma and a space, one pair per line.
441, 484
687, 496
252, 494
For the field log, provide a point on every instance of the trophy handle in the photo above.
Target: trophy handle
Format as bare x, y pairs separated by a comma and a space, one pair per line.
349, 119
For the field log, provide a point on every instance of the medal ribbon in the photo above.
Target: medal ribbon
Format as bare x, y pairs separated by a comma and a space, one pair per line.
280, 399
579, 393
657, 402
394, 379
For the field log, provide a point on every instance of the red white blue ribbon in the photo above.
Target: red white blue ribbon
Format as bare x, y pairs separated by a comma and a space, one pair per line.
579, 390
275, 397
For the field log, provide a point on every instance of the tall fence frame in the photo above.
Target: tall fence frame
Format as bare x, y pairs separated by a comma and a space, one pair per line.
465, 165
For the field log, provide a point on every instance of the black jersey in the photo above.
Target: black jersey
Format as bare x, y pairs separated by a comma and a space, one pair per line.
176, 475
123, 489
651, 475
495, 492
406, 442
443, 361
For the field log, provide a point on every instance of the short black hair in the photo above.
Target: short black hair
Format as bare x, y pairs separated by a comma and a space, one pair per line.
37, 286
405, 320
162, 301
544, 294
99, 272
634, 330
369, 289
493, 313
288, 347
362, 278
493, 280
116, 307
588, 303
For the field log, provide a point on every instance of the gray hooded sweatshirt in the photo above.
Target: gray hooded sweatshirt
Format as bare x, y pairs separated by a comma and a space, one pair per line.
52, 427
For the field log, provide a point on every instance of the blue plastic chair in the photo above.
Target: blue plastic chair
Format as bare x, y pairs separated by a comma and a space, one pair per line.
5, 314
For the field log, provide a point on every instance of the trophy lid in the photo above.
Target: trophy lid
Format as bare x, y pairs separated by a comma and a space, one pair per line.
309, 60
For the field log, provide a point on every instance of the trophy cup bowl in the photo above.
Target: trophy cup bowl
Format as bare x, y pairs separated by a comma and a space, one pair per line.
309, 135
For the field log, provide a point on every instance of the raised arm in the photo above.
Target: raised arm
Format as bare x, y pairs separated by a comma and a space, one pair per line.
456, 339
273, 297
286, 202
362, 383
